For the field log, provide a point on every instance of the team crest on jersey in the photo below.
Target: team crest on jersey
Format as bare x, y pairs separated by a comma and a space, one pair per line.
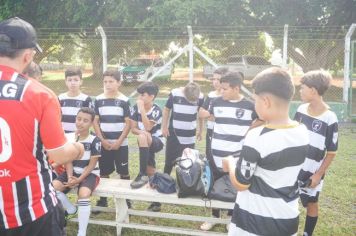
78, 103
247, 169
132, 110
179, 100
117, 103
316, 125
240, 113
98, 147
155, 114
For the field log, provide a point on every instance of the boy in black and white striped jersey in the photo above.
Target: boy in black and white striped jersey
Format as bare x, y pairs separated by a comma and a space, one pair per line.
83, 173
181, 110
322, 124
266, 173
112, 125
72, 100
233, 115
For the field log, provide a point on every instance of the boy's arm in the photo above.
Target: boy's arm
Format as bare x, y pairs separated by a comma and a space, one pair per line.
204, 114
200, 128
229, 165
90, 167
165, 118
148, 124
315, 178
123, 135
99, 134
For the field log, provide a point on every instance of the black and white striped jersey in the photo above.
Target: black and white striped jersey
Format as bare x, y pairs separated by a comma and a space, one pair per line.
92, 147
270, 161
323, 134
70, 107
207, 103
112, 113
232, 121
155, 115
183, 121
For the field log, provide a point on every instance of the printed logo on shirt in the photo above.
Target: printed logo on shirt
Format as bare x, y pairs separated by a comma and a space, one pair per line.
132, 110
240, 113
247, 168
98, 147
78, 103
117, 103
5, 173
155, 114
316, 125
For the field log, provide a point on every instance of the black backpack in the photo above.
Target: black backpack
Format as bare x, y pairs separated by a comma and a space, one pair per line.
193, 173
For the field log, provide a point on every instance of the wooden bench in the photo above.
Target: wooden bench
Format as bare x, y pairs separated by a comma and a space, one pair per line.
120, 190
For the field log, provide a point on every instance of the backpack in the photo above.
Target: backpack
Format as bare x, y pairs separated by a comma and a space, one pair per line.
193, 173
163, 182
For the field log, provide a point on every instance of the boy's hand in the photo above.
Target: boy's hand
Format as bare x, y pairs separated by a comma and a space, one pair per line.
116, 145
315, 180
72, 182
106, 144
140, 105
227, 163
165, 132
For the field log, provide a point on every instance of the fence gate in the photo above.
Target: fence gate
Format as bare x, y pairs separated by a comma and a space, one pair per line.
352, 96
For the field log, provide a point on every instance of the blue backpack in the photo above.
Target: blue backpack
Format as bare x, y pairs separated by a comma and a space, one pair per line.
193, 173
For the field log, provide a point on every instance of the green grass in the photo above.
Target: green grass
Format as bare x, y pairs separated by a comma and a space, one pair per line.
337, 201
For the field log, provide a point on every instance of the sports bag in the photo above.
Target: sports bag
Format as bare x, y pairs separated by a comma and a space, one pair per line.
223, 190
193, 173
163, 182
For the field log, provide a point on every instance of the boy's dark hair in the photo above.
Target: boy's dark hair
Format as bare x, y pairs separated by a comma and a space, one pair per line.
192, 92
148, 87
234, 79
221, 70
89, 111
275, 81
113, 73
73, 72
318, 79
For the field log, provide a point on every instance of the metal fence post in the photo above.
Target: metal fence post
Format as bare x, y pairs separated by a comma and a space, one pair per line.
191, 54
104, 47
285, 46
346, 86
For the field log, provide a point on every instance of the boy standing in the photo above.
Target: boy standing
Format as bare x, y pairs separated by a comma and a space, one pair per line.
72, 100
146, 119
266, 173
233, 115
182, 107
112, 125
322, 125
83, 173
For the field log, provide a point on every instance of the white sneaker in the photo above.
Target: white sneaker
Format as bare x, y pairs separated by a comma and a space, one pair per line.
206, 226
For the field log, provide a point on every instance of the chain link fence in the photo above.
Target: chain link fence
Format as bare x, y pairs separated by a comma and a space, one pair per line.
140, 53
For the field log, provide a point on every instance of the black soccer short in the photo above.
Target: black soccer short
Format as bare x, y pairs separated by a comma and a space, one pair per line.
305, 199
91, 181
112, 159
173, 150
50, 224
156, 146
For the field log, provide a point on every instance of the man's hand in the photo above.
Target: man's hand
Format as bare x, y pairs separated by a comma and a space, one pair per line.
72, 182
315, 180
165, 132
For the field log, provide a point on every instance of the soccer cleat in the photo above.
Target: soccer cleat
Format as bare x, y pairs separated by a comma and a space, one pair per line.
139, 181
68, 216
206, 226
102, 202
155, 207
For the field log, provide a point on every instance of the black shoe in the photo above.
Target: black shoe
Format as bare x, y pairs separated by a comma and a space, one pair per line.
139, 181
155, 207
102, 202
129, 204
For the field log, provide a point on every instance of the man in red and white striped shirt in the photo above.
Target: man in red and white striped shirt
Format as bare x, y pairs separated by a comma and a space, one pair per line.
29, 125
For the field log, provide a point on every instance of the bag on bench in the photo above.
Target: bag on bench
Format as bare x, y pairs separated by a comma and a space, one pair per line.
194, 176
163, 182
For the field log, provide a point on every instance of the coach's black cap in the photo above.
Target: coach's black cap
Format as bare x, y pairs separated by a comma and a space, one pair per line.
16, 33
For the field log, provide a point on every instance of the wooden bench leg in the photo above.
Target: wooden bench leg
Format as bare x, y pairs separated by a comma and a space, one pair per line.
121, 213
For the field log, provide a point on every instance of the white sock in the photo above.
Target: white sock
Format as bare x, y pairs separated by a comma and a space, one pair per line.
70, 208
83, 215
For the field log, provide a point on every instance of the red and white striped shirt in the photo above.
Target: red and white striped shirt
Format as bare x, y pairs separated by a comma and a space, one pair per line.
29, 122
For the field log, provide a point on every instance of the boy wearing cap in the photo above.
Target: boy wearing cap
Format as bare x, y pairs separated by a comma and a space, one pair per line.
30, 124
181, 110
